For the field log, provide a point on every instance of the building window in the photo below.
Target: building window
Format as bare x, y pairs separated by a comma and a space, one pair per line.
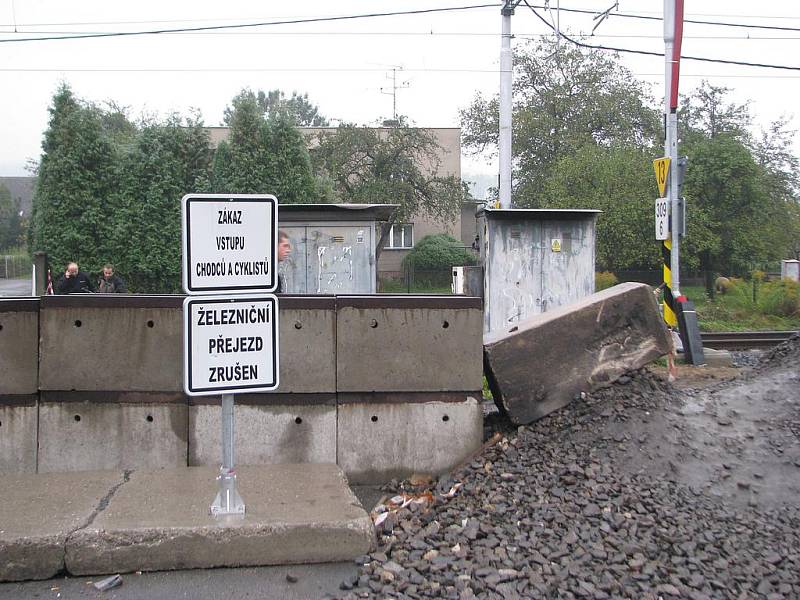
401, 236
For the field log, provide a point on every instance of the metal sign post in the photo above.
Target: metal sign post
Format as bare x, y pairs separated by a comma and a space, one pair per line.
228, 501
230, 342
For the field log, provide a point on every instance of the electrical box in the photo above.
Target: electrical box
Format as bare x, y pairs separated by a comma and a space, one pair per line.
534, 260
333, 247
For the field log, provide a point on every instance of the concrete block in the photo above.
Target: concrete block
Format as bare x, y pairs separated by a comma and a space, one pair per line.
381, 441
717, 358
18, 422
122, 343
265, 434
307, 345
159, 521
37, 515
79, 435
541, 364
408, 343
19, 346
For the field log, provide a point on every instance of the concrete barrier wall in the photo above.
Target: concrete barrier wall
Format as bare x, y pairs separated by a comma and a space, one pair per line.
19, 373
19, 341
408, 343
111, 343
79, 432
103, 389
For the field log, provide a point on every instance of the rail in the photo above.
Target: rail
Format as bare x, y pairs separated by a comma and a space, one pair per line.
744, 340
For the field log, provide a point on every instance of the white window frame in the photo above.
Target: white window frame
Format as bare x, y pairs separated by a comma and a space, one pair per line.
391, 245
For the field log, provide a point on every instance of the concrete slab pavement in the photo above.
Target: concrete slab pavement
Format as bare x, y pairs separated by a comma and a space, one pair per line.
113, 522
37, 515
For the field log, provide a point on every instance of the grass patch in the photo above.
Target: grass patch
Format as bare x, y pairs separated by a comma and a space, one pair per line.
775, 307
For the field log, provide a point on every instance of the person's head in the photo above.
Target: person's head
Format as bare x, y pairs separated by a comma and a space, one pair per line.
72, 268
108, 271
284, 246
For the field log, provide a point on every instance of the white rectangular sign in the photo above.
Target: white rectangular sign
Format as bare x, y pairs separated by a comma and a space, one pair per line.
229, 243
230, 344
662, 218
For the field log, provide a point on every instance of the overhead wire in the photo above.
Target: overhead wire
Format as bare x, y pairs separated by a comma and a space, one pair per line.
661, 54
249, 25
655, 18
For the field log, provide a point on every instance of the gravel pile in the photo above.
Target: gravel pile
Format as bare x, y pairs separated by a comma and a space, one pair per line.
746, 358
786, 354
558, 509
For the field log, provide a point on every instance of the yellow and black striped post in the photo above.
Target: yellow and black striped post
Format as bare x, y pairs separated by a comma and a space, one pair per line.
669, 300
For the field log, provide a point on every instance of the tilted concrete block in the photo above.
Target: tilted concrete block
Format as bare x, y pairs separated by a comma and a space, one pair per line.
541, 364
408, 343
295, 514
381, 441
38, 513
19, 346
18, 423
265, 433
122, 343
78, 432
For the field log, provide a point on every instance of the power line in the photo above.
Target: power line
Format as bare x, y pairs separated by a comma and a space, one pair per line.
250, 25
644, 14
693, 21
488, 71
661, 54
432, 33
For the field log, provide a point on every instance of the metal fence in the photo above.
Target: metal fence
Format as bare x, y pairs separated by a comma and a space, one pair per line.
423, 281
14, 266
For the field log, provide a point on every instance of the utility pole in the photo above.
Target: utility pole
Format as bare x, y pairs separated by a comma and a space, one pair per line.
506, 71
673, 36
393, 91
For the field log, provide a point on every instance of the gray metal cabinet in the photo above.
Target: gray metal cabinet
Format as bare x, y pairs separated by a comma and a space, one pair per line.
333, 248
534, 260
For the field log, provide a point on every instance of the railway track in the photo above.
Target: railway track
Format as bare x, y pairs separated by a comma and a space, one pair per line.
744, 340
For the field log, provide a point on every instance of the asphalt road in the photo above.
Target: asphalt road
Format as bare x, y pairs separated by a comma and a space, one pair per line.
15, 287
313, 582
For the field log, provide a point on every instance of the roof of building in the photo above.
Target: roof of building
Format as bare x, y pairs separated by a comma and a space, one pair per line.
336, 212
538, 213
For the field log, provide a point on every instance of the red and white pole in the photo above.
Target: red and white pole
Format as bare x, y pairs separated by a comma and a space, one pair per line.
673, 36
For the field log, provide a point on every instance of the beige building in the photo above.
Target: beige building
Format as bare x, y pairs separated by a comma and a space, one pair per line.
403, 236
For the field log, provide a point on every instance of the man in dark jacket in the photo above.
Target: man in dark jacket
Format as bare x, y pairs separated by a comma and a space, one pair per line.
74, 281
110, 283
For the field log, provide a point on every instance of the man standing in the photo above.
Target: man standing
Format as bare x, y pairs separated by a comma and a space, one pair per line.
284, 248
74, 281
110, 283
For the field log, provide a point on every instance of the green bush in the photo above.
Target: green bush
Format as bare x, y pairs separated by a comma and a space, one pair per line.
604, 280
439, 251
781, 298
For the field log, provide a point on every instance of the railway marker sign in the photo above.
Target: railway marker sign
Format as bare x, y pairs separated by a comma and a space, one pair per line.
662, 218
661, 167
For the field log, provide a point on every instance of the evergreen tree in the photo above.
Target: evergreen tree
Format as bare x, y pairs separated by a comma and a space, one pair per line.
167, 161
263, 155
75, 198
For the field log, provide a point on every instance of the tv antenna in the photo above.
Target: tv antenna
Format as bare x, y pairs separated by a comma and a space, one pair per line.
393, 90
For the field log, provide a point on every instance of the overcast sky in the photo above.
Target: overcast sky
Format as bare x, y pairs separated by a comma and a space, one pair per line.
442, 59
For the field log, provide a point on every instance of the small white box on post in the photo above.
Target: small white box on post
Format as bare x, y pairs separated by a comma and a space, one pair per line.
230, 342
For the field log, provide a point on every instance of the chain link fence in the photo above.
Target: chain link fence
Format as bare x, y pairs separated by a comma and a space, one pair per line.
14, 266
